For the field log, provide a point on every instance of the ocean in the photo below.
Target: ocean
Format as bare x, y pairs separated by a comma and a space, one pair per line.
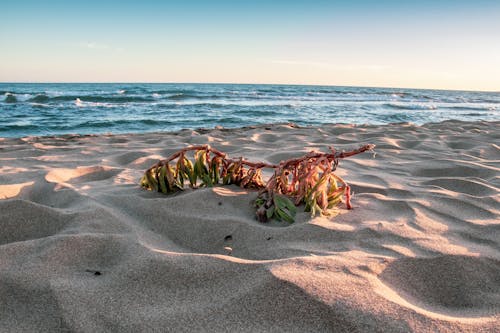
28, 109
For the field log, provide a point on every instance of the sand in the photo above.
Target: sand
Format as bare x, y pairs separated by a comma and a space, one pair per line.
84, 249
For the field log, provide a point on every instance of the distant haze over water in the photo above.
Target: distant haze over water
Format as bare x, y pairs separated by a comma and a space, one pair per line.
84, 108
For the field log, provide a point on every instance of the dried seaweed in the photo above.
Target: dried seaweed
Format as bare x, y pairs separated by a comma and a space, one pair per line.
308, 180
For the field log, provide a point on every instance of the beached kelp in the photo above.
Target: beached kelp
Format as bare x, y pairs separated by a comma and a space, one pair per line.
308, 180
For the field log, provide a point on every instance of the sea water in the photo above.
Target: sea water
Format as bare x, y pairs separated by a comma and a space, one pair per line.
88, 108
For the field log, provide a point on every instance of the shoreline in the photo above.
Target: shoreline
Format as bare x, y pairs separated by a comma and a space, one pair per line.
83, 248
204, 130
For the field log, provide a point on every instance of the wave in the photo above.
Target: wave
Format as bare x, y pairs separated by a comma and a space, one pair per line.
86, 124
40, 106
174, 91
114, 123
412, 107
256, 113
46, 99
490, 101
10, 98
469, 108
41, 98
105, 99
232, 104
184, 96
16, 127
443, 107
397, 118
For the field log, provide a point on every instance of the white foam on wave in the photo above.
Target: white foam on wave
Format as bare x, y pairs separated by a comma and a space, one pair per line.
80, 103
18, 97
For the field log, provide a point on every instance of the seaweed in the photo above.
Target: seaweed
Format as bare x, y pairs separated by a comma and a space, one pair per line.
308, 180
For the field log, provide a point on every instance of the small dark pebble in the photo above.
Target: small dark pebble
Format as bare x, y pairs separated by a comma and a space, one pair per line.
228, 237
269, 238
92, 271
220, 203
267, 128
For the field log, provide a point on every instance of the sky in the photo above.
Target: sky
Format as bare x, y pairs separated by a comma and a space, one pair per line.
409, 44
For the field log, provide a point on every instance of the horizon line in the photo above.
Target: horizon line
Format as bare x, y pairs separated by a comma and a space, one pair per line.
242, 83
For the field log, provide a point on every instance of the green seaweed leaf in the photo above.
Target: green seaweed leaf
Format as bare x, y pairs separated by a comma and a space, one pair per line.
162, 176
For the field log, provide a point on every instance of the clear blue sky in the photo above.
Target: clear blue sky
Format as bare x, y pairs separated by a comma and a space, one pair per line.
427, 44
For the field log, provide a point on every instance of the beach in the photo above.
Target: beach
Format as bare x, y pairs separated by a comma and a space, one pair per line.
84, 249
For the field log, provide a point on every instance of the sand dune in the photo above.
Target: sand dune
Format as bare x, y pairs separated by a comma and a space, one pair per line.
84, 249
